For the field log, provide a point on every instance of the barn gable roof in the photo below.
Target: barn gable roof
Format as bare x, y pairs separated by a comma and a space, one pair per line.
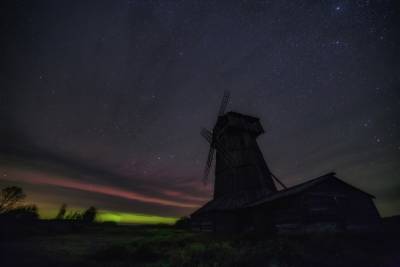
250, 199
305, 186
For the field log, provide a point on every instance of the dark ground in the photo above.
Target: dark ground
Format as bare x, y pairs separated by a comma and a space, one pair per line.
68, 244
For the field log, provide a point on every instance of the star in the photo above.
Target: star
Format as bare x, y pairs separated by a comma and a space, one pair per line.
367, 123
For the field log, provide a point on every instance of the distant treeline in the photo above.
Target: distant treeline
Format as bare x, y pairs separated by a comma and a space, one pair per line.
14, 208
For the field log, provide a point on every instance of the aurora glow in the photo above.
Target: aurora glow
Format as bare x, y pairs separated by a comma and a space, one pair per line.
113, 216
41, 179
132, 218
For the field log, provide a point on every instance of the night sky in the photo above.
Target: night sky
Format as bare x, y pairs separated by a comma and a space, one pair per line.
102, 102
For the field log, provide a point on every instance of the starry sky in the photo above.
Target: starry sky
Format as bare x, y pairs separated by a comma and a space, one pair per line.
102, 102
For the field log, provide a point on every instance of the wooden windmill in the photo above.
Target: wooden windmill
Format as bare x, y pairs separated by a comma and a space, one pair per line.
246, 197
240, 165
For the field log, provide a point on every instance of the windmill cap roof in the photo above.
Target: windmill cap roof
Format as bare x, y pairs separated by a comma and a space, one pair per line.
235, 120
240, 115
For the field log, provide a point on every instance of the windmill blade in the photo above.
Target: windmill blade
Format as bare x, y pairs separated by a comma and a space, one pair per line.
208, 136
224, 103
208, 165
220, 147
228, 160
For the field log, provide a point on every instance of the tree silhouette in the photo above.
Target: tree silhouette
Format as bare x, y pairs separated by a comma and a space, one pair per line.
89, 215
10, 198
61, 212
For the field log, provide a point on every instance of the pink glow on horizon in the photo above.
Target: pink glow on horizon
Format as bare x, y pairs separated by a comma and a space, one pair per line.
38, 178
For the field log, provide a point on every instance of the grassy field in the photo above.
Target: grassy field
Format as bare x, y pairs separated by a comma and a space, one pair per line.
111, 245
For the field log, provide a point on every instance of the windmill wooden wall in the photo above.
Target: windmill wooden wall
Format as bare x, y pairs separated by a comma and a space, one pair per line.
246, 169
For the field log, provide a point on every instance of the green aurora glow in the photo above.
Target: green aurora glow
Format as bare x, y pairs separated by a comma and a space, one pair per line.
114, 216
133, 218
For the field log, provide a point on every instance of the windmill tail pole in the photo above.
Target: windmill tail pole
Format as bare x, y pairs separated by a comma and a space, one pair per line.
276, 179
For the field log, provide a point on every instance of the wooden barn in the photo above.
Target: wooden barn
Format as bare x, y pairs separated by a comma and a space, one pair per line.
247, 199
324, 203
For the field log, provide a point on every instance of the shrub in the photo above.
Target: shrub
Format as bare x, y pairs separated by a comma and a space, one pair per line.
183, 223
89, 215
25, 213
74, 216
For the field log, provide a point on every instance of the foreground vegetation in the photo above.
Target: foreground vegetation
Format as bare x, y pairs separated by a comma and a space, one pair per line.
74, 239
75, 244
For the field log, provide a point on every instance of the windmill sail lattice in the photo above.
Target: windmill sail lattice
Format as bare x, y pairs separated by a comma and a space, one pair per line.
210, 139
